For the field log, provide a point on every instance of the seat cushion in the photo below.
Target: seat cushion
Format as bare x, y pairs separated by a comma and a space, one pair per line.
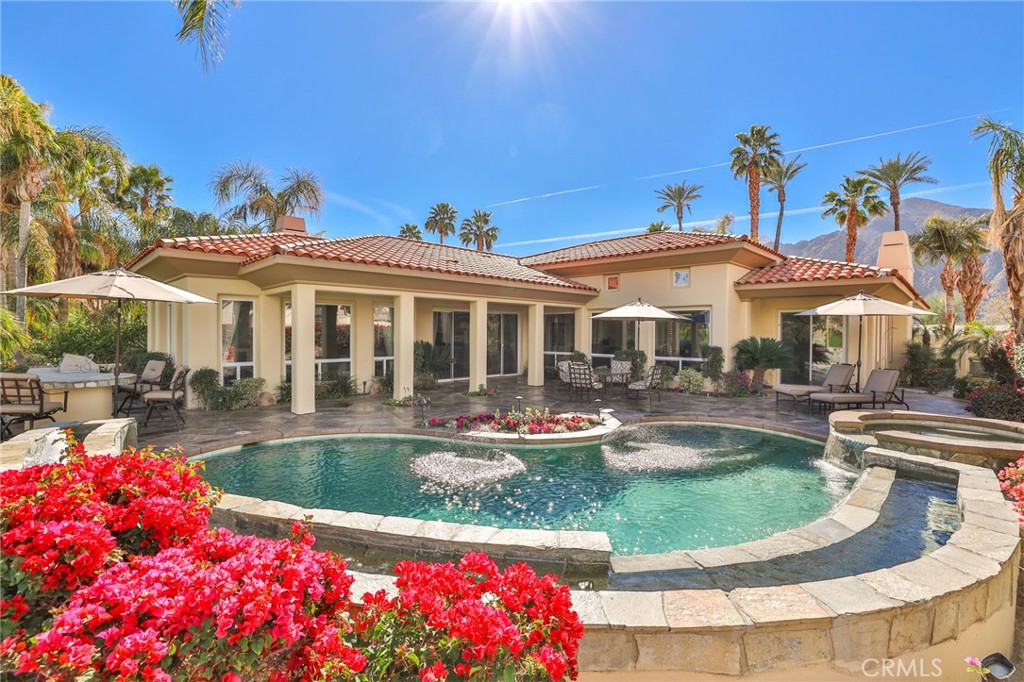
796, 390
842, 398
21, 409
160, 396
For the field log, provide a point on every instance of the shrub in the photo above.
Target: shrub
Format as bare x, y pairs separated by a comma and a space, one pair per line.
424, 381
1012, 482
529, 421
93, 333
578, 356
205, 385
467, 620
690, 381
242, 393
407, 401
760, 355
998, 402
385, 382
714, 362
736, 384
340, 386
964, 386
63, 524
428, 359
637, 359
918, 359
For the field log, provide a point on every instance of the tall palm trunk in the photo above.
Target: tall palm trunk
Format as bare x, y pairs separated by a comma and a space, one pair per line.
679, 217
65, 247
949, 279
480, 243
754, 192
972, 285
778, 223
21, 262
851, 232
1013, 261
894, 201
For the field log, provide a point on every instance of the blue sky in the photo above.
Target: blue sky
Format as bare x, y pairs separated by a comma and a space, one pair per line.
400, 105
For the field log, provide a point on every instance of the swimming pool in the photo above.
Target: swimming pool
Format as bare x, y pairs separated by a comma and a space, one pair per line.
652, 488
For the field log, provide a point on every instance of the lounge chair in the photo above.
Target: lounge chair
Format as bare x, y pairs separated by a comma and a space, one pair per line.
650, 384
168, 398
836, 381
879, 391
581, 378
148, 380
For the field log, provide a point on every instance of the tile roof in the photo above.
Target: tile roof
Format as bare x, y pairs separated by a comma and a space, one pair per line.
380, 250
239, 245
648, 242
801, 269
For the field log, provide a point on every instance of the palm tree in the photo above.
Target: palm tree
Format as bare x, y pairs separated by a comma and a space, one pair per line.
260, 203
973, 288
658, 226
760, 355
679, 198
27, 148
855, 203
948, 242
441, 220
757, 151
894, 174
202, 22
410, 231
724, 224
777, 176
1006, 228
479, 229
148, 190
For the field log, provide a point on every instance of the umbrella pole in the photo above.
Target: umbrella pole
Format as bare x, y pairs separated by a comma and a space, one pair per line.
117, 360
860, 345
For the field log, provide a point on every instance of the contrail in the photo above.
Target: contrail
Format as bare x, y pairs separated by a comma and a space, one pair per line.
886, 133
740, 218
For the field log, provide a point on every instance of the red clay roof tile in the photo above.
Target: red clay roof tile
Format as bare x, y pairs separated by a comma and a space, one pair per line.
648, 242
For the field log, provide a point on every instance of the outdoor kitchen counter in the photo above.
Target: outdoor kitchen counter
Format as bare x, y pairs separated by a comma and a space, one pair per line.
89, 393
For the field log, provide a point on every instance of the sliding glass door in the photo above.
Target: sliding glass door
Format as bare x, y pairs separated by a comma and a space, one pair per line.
502, 344
451, 334
816, 346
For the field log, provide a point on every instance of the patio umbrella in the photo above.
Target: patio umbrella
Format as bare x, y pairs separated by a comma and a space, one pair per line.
641, 312
859, 306
114, 285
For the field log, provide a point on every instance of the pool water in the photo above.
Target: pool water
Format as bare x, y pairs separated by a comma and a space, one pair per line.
652, 488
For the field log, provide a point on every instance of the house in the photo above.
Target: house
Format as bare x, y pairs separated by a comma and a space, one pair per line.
297, 307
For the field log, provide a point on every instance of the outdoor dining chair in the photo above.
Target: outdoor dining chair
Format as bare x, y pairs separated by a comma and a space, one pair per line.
168, 398
148, 380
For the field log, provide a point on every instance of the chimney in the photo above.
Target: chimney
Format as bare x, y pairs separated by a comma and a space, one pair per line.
894, 254
288, 224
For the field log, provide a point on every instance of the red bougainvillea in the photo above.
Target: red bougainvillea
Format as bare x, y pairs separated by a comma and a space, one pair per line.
471, 621
1011, 480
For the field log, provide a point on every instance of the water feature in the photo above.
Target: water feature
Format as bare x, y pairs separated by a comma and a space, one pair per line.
652, 488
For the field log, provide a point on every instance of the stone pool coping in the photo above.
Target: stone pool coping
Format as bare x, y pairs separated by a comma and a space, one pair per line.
979, 452
838, 623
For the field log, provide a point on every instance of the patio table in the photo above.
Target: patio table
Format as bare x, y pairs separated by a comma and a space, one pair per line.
89, 393
618, 379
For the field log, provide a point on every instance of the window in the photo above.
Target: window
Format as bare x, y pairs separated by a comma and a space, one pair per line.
680, 343
237, 341
559, 336
502, 343
332, 341
816, 342
383, 339
609, 336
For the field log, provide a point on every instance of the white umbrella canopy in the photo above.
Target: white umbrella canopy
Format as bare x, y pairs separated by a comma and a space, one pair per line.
638, 311
114, 285
118, 284
859, 306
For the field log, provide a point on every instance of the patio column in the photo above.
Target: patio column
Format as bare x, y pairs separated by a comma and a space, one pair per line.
581, 331
404, 330
477, 343
535, 345
362, 342
303, 349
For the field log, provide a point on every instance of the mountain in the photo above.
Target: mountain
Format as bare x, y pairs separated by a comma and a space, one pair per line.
914, 212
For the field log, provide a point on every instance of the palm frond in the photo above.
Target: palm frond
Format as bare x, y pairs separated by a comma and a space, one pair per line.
203, 22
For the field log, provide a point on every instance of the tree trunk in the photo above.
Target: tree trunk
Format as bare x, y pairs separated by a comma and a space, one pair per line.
21, 269
949, 279
757, 380
480, 243
65, 247
679, 217
1012, 243
972, 286
894, 201
851, 235
778, 224
754, 192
